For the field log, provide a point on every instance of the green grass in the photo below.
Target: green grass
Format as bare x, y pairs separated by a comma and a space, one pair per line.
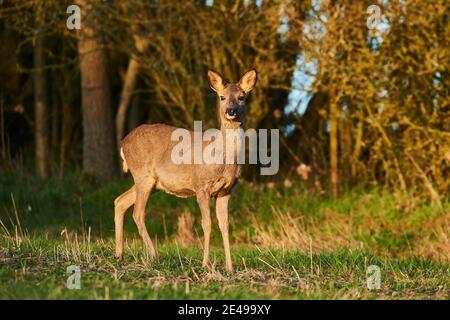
286, 244
38, 271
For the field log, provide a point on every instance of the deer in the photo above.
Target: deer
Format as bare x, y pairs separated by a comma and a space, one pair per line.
146, 153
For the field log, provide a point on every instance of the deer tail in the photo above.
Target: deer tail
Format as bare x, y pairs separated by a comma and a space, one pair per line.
124, 163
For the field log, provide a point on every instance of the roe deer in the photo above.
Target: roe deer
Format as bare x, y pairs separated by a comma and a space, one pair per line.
146, 153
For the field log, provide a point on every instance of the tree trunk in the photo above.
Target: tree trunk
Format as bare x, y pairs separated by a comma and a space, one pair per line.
127, 90
345, 133
125, 98
65, 136
54, 127
40, 96
334, 148
136, 114
99, 158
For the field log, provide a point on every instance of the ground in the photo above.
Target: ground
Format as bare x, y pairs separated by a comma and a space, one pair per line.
287, 243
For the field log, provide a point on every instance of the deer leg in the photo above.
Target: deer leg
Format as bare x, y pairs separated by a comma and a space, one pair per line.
121, 204
222, 217
203, 203
142, 194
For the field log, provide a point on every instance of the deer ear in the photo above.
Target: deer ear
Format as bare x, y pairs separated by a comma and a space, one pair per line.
215, 81
248, 81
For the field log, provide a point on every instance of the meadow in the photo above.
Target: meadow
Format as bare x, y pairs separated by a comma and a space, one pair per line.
287, 243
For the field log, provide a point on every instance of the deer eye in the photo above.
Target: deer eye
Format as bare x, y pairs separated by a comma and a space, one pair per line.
222, 98
241, 98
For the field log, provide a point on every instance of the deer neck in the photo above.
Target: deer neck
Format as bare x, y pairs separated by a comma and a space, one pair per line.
234, 141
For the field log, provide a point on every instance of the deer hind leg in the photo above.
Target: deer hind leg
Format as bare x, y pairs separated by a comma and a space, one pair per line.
222, 217
142, 193
203, 203
121, 205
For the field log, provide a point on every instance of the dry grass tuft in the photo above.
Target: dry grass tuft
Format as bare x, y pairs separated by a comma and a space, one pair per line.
359, 229
291, 232
185, 235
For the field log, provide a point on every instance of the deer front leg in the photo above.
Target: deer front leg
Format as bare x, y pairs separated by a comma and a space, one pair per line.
203, 203
142, 193
222, 217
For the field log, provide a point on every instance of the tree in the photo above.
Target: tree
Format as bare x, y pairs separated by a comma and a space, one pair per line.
40, 95
99, 158
141, 43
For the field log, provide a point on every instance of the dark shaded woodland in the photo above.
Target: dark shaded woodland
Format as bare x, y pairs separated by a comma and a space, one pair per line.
378, 109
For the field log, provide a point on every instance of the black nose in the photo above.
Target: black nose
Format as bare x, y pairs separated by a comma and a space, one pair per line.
231, 112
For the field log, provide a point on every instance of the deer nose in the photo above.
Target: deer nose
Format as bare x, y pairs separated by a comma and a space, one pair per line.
231, 112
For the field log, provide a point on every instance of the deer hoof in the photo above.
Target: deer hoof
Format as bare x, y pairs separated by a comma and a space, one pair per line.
206, 264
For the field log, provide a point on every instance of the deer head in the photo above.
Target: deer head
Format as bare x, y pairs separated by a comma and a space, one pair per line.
232, 96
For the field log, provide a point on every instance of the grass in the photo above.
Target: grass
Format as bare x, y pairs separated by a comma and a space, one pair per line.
286, 244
